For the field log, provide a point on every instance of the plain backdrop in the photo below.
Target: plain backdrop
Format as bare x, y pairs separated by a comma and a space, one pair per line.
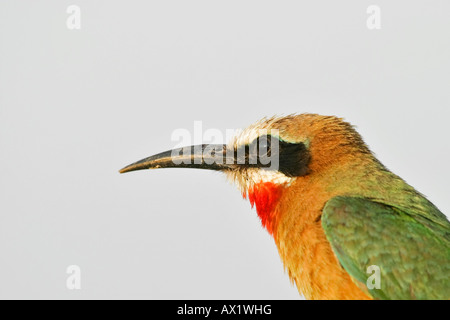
78, 105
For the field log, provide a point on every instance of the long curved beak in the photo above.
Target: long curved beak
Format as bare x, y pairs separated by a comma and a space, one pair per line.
205, 156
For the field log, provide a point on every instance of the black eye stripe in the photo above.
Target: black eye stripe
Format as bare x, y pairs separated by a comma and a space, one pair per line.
293, 158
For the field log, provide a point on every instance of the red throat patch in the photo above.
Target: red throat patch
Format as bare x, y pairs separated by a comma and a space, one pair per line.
265, 197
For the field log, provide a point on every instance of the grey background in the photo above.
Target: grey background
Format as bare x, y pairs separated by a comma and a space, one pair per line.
77, 105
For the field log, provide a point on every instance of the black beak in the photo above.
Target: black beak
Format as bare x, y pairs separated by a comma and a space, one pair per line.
205, 156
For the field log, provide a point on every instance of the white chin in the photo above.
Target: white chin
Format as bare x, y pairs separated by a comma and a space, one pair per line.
245, 180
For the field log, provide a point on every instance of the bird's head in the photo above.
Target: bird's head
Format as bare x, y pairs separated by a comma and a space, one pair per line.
268, 156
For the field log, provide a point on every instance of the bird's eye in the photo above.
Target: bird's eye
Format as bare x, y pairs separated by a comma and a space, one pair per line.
264, 143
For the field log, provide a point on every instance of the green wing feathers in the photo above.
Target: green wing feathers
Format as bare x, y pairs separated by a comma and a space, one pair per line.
413, 256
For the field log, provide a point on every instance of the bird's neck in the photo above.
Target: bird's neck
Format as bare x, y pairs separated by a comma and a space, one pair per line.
265, 197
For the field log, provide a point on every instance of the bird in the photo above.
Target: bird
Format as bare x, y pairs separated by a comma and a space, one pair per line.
333, 209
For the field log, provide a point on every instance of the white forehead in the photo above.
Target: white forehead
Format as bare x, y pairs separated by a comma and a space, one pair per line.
262, 127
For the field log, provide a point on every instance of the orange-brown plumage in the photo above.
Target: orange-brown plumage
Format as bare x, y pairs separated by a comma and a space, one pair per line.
333, 209
298, 233
304, 249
